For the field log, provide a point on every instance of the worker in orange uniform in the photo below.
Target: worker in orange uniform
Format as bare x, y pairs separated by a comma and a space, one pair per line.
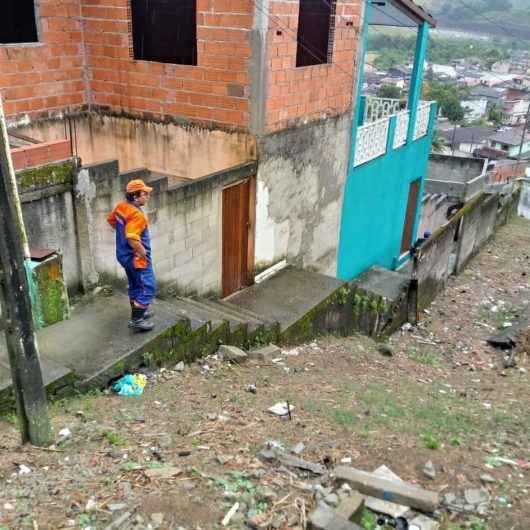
133, 252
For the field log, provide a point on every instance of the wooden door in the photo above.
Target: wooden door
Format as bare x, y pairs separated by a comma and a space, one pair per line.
410, 217
236, 237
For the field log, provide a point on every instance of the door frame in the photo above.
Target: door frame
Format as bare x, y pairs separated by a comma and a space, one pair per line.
251, 235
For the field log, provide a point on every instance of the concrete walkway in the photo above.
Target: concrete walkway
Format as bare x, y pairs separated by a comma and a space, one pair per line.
96, 346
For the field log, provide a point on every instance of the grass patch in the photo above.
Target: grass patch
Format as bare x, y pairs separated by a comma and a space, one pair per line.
343, 417
425, 358
430, 441
113, 438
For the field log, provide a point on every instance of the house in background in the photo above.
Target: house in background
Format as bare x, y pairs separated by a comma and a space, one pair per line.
239, 116
388, 159
509, 142
466, 139
475, 109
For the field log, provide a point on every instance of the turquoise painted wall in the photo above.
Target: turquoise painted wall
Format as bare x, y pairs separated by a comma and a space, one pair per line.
374, 208
376, 193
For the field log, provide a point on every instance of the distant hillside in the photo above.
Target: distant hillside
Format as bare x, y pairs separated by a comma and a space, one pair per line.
500, 18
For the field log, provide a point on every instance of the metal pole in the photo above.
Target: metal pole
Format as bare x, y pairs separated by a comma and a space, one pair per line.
525, 129
21, 340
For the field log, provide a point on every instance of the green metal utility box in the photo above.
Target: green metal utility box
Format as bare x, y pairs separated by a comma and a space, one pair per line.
49, 296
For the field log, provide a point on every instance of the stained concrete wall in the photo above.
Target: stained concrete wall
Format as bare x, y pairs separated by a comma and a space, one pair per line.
433, 213
300, 185
50, 223
180, 150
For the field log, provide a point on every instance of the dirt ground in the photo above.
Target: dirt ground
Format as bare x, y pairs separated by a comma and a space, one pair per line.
183, 453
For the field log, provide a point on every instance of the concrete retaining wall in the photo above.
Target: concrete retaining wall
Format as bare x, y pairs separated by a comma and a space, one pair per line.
451, 247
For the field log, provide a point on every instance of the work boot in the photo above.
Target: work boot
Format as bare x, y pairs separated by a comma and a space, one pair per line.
147, 315
138, 322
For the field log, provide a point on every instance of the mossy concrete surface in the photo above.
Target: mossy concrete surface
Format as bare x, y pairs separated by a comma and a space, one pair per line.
48, 175
49, 293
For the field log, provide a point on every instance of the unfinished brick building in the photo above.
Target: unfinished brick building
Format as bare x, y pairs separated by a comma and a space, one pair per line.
238, 111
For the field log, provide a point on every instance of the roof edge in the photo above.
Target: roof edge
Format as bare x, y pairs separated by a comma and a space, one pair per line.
415, 11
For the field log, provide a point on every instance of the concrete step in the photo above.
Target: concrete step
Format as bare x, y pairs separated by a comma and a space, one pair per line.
190, 311
287, 297
214, 313
232, 311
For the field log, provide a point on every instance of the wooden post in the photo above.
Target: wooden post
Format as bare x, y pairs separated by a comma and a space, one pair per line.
14, 289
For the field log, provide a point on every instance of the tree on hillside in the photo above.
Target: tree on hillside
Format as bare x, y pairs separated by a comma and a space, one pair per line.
496, 115
448, 98
389, 91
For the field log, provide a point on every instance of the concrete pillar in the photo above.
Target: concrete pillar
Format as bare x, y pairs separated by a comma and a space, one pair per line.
85, 192
416, 81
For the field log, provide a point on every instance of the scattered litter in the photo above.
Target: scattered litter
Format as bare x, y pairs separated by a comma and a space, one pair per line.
91, 505
498, 461
179, 367
274, 444
8, 506
298, 448
281, 409
64, 434
130, 385
487, 479
23, 470
252, 389
407, 326
230, 514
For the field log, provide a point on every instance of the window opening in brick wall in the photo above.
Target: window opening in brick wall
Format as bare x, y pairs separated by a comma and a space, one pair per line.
18, 22
165, 31
316, 32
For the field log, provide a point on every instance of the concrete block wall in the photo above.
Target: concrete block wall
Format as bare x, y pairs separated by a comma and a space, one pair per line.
50, 223
311, 92
46, 77
185, 226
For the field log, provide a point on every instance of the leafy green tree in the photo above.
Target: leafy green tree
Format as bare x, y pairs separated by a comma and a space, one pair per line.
438, 142
448, 98
496, 115
389, 91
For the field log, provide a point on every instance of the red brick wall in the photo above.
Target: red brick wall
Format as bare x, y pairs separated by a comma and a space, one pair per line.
216, 91
51, 76
308, 92
45, 76
39, 154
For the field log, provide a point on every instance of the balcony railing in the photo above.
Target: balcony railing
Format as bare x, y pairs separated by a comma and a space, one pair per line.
372, 137
379, 108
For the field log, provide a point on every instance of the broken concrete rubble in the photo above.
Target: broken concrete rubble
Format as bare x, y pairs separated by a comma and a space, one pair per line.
387, 489
327, 519
266, 353
232, 354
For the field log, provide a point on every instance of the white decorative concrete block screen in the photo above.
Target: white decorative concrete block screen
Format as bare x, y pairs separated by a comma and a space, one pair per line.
402, 127
371, 141
422, 119
379, 108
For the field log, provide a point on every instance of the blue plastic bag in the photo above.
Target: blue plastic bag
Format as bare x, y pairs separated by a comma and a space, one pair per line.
130, 385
